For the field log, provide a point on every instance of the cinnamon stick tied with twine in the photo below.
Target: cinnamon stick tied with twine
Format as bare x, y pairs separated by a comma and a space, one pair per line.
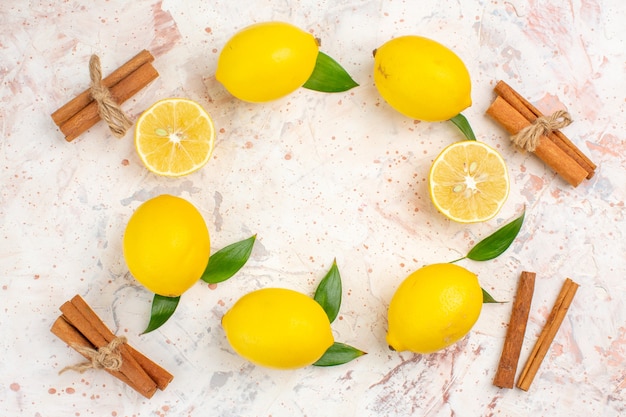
548, 333
82, 329
534, 132
103, 99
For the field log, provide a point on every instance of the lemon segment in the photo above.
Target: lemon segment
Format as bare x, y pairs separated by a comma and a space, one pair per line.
422, 78
468, 182
166, 245
278, 328
174, 137
266, 61
433, 308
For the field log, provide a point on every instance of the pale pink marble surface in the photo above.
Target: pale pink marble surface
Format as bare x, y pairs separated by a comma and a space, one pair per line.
317, 177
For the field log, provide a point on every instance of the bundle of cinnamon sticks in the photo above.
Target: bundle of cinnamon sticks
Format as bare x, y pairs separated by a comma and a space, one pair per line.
81, 113
507, 366
81, 328
515, 113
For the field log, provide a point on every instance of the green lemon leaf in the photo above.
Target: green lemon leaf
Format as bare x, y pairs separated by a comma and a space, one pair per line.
488, 299
328, 76
225, 263
461, 122
495, 244
328, 292
338, 354
162, 309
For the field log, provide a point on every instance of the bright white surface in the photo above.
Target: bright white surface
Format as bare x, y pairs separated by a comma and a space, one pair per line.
316, 177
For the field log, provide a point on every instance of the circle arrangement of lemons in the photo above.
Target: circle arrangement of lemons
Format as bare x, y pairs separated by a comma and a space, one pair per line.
421, 78
468, 182
166, 245
266, 61
278, 328
433, 308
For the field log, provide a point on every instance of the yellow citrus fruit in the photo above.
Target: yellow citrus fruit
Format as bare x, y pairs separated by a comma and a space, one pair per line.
278, 328
266, 61
166, 245
469, 182
433, 308
174, 137
421, 78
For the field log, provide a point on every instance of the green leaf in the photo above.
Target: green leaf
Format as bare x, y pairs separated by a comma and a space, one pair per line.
225, 263
461, 122
328, 292
162, 309
488, 299
338, 354
495, 244
328, 76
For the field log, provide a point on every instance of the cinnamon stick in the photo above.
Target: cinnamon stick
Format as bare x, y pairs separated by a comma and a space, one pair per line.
130, 368
505, 374
83, 99
159, 375
550, 153
561, 306
122, 91
73, 338
531, 113
515, 113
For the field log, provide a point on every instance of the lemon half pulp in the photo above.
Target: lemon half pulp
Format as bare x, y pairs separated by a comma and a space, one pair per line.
174, 137
469, 182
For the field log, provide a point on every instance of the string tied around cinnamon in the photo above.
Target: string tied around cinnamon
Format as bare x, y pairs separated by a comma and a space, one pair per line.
106, 357
528, 138
108, 109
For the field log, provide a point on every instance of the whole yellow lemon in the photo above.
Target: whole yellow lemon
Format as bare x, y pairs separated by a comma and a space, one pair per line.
433, 308
278, 328
266, 61
421, 78
167, 245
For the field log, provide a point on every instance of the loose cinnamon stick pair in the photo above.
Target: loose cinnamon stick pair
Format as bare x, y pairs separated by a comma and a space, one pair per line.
80, 327
507, 366
514, 113
81, 113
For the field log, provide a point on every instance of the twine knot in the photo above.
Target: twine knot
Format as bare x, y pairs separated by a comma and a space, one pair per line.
528, 137
106, 357
108, 109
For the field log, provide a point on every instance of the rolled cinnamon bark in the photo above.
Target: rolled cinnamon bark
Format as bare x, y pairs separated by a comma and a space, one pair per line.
122, 91
79, 102
531, 113
505, 374
550, 153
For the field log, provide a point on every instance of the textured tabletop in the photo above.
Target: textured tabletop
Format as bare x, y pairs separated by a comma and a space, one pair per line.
317, 177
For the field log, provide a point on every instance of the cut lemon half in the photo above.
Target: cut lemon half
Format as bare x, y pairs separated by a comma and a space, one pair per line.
174, 137
469, 182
